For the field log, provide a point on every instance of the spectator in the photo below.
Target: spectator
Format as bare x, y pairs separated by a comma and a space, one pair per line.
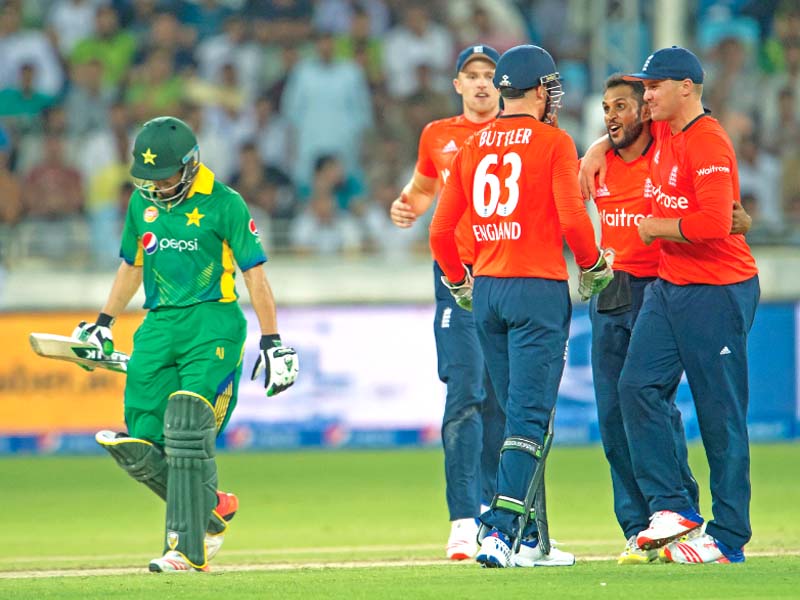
732, 79
53, 190
323, 230
760, 177
231, 47
496, 23
416, 41
20, 47
359, 44
784, 132
338, 16
219, 152
155, 89
204, 16
381, 235
101, 147
88, 99
21, 106
778, 84
331, 178
166, 33
109, 44
10, 190
70, 21
272, 136
327, 102
103, 202
284, 21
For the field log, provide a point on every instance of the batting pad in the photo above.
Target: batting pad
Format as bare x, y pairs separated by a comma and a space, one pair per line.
139, 458
189, 433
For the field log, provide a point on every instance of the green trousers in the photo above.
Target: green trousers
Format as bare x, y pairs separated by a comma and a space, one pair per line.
197, 349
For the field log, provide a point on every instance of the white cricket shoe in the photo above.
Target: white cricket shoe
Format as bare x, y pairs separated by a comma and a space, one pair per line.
633, 555
701, 549
495, 551
665, 526
462, 543
530, 555
174, 562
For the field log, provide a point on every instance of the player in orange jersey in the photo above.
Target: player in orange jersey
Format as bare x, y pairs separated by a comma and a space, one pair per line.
472, 425
622, 204
514, 182
695, 318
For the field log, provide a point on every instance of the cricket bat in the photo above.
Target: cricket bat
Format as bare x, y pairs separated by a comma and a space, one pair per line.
88, 356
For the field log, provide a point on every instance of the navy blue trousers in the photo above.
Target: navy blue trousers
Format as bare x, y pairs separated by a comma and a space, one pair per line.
611, 334
523, 327
702, 330
473, 424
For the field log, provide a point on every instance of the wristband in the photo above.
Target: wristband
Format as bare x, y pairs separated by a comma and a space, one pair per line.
272, 340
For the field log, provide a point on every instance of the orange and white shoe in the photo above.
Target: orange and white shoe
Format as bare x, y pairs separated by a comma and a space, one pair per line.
463, 541
175, 562
666, 526
227, 505
701, 549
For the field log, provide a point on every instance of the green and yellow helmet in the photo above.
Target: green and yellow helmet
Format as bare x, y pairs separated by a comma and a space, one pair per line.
164, 147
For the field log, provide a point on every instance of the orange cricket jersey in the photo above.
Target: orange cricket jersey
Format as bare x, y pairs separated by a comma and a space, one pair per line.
515, 180
694, 177
622, 204
438, 144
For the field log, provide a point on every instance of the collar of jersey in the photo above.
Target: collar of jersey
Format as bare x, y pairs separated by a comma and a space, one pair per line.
203, 181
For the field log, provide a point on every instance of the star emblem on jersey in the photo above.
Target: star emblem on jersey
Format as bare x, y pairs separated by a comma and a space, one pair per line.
149, 158
193, 218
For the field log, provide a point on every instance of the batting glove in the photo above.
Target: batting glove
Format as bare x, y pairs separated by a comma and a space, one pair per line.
594, 280
461, 291
280, 362
97, 333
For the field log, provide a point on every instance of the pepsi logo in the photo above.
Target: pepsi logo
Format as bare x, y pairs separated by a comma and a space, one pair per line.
150, 214
252, 226
149, 242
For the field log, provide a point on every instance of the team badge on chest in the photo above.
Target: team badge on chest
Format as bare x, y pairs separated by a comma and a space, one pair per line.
150, 214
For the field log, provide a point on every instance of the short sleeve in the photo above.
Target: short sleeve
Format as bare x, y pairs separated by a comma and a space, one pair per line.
131, 247
242, 234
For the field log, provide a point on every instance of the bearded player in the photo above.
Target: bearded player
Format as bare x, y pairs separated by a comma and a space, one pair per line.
184, 235
472, 426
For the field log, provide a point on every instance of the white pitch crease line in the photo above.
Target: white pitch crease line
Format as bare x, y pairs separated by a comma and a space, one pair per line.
105, 572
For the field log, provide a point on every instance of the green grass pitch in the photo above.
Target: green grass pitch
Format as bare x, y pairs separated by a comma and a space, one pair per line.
361, 525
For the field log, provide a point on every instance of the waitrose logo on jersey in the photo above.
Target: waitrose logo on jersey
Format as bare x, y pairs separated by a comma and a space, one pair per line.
151, 243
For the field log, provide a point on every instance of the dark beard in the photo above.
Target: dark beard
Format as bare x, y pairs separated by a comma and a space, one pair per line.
630, 136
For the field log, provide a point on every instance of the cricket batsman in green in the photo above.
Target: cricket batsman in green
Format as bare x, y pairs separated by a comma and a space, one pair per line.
184, 235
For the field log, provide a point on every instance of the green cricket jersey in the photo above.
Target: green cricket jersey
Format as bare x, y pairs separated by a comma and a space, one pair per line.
190, 251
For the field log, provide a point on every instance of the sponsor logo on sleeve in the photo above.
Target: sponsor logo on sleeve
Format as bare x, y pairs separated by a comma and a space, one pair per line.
712, 169
252, 227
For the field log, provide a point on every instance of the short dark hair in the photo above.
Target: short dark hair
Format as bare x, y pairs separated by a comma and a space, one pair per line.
637, 87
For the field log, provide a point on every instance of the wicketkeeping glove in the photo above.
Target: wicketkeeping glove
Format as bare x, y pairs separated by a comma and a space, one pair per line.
280, 362
97, 333
594, 280
462, 291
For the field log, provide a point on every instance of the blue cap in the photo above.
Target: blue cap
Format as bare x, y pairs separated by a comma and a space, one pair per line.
473, 52
524, 67
674, 63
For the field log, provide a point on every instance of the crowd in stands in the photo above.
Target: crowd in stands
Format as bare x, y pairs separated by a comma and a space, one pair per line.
312, 109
